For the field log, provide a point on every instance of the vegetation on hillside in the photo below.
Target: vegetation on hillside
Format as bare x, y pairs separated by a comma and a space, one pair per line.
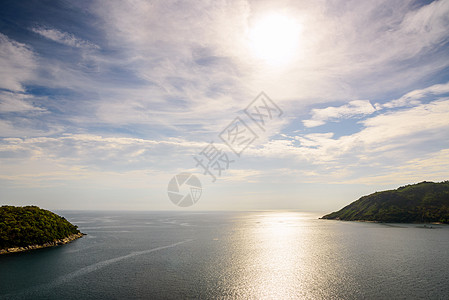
31, 225
417, 203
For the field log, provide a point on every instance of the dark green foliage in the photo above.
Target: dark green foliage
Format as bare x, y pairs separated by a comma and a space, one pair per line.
417, 203
30, 225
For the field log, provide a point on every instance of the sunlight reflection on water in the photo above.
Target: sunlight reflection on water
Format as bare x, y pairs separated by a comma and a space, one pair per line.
274, 256
233, 255
289, 255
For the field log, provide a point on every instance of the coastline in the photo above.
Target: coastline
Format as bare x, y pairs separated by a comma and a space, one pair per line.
59, 242
371, 221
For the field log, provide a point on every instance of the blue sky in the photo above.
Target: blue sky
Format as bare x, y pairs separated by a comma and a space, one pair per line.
103, 102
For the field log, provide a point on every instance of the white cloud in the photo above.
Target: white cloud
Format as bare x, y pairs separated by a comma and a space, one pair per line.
17, 63
432, 167
101, 152
17, 102
31, 161
413, 98
185, 69
193, 64
243, 175
405, 130
23, 127
183, 55
387, 140
64, 38
356, 108
396, 147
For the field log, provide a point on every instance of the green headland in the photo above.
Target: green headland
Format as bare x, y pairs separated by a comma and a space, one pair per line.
425, 202
30, 227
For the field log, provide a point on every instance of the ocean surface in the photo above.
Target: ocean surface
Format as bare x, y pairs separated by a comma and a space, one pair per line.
232, 255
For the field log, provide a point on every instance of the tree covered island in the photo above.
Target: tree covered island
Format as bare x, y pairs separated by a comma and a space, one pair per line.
425, 202
30, 227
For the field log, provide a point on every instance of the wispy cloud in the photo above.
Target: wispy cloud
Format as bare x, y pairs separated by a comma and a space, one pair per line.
17, 102
363, 108
406, 130
355, 108
388, 143
17, 63
64, 38
414, 97
100, 153
167, 78
432, 166
171, 76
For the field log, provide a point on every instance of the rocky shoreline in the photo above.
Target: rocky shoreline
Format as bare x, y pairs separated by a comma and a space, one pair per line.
63, 241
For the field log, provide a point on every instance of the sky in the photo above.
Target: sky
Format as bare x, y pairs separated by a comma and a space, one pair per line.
304, 105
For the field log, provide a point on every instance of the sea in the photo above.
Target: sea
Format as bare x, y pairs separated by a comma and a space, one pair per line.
232, 255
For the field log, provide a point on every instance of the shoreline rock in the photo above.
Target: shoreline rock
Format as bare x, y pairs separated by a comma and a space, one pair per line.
59, 242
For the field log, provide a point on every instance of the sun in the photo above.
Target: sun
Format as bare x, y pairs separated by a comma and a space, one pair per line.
275, 38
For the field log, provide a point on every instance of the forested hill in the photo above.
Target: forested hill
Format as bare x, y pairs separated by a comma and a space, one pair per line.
417, 203
30, 225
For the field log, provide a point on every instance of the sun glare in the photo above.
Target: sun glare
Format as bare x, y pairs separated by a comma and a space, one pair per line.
275, 38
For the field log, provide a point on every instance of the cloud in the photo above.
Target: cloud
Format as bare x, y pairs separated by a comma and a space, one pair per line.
359, 49
17, 102
362, 108
405, 130
356, 108
164, 76
432, 166
64, 38
27, 127
100, 153
17, 63
22, 116
387, 141
396, 147
413, 98
242, 175
185, 70
387, 129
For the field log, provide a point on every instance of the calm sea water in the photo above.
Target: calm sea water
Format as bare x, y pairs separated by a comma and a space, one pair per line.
244, 255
